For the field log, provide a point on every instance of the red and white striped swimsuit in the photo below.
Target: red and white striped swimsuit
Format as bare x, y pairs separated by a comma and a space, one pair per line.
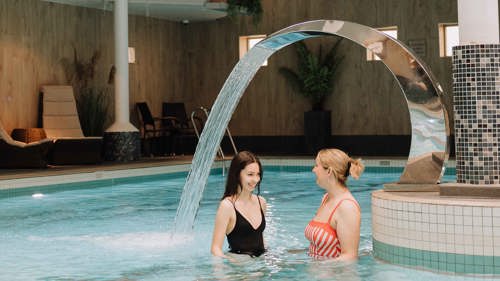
323, 237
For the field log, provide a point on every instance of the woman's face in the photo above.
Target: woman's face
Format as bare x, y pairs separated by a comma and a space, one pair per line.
250, 177
320, 172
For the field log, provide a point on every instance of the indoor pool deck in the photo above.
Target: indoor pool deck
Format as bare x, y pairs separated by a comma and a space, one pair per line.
20, 178
145, 162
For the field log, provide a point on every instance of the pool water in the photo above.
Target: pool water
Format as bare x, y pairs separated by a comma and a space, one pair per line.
123, 232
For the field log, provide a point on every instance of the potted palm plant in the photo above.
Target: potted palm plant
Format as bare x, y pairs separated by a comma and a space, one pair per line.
314, 79
92, 101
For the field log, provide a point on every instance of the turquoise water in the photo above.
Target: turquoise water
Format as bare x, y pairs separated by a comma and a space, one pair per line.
123, 232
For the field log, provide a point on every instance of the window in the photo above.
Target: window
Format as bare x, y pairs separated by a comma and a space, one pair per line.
391, 31
247, 42
448, 38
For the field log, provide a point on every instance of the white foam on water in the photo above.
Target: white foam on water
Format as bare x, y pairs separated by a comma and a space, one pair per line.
127, 241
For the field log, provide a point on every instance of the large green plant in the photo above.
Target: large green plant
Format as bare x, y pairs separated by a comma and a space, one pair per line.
93, 106
249, 7
315, 75
92, 101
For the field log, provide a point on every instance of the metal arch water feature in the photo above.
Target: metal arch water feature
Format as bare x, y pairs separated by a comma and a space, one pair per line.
430, 125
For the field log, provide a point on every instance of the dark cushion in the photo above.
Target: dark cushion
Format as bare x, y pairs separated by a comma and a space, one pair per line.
75, 151
30, 156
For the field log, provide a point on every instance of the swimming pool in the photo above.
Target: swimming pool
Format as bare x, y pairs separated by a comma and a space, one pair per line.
123, 232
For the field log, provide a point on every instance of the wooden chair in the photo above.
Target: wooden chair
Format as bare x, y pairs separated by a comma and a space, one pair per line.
180, 124
152, 128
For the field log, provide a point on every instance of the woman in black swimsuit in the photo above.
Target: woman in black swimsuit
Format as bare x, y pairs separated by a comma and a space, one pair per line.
240, 216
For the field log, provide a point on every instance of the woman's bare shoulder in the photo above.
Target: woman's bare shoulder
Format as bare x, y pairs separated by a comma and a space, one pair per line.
226, 204
349, 205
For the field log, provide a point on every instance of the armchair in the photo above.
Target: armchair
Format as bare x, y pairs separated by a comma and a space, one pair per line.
152, 127
16, 155
180, 124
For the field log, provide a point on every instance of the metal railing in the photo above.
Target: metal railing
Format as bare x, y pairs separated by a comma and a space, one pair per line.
194, 117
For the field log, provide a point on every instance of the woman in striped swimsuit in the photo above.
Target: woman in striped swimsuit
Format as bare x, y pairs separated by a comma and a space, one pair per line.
334, 231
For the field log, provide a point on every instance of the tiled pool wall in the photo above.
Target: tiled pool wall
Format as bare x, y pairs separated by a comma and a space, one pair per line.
371, 165
458, 236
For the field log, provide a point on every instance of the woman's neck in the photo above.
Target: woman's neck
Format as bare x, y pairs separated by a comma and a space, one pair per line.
336, 190
244, 195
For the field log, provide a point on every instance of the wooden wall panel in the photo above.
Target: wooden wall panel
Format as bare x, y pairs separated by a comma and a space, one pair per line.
189, 63
36, 35
367, 100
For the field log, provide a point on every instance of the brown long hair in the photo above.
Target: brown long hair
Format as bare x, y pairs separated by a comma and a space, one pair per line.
239, 162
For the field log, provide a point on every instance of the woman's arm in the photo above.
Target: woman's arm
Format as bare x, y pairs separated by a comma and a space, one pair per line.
222, 219
348, 220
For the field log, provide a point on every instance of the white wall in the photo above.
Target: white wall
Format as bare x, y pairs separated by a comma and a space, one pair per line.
478, 21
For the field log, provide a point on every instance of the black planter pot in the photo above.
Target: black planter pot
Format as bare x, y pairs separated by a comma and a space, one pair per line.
317, 130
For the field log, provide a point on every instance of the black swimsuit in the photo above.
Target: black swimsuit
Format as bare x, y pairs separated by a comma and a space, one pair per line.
244, 239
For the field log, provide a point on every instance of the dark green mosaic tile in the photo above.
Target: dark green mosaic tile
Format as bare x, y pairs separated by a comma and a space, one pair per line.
427, 256
489, 269
384, 169
469, 268
478, 269
434, 256
442, 257
469, 260
450, 267
445, 262
478, 260
451, 258
460, 268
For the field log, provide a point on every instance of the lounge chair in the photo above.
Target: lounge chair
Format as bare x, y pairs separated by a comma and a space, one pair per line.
17, 155
62, 124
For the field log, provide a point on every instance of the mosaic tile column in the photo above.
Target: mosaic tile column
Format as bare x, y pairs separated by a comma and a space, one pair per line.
476, 95
122, 146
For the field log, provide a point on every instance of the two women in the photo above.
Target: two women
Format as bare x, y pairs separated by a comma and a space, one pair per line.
333, 232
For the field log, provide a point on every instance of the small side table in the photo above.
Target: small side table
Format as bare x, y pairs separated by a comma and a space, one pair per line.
28, 135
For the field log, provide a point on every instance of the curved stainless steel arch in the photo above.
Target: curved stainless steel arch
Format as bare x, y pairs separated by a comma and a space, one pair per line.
429, 119
430, 126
